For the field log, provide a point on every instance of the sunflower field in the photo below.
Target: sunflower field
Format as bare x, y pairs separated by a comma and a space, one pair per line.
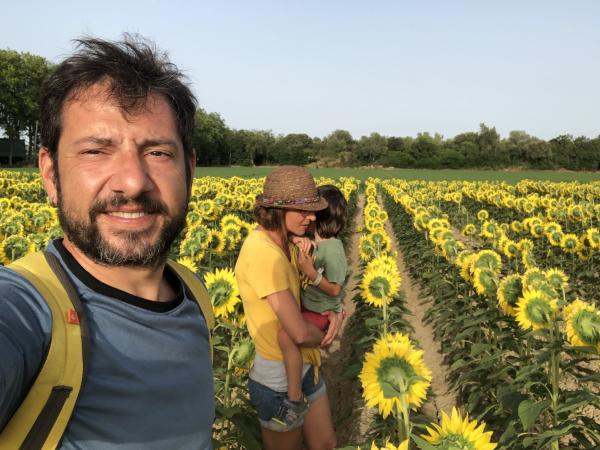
511, 273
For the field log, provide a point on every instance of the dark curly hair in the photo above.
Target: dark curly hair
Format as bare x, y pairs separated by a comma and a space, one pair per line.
132, 69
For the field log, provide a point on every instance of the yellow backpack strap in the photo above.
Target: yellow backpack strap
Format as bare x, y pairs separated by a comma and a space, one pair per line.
199, 292
43, 416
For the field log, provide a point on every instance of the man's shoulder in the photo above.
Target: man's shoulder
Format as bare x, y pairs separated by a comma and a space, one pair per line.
18, 292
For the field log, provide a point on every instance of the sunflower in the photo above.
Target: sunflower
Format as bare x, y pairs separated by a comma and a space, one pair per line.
366, 249
555, 237
216, 242
489, 229
482, 215
380, 241
535, 279
379, 283
593, 237
557, 279
536, 310
389, 446
569, 243
223, 291
458, 433
15, 247
394, 371
191, 247
509, 248
465, 266
485, 281
516, 226
188, 262
582, 323
469, 229
486, 259
528, 260
525, 244
508, 293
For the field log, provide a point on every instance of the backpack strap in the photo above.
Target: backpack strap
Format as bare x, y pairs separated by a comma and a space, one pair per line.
199, 293
43, 416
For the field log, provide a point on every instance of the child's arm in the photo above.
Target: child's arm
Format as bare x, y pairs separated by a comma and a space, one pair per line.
306, 265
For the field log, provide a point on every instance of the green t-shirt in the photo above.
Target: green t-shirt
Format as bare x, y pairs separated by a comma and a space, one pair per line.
329, 257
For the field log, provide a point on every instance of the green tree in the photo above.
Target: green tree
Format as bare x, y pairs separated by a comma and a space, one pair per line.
337, 148
21, 78
211, 139
294, 148
371, 149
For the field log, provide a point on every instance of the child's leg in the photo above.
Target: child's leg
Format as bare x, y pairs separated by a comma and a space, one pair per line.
292, 359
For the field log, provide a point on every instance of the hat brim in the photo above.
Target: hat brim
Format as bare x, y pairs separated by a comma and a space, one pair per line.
314, 206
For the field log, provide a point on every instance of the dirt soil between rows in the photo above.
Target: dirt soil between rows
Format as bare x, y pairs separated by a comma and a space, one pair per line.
351, 417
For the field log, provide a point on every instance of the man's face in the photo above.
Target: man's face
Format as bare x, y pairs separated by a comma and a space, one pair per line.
121, 188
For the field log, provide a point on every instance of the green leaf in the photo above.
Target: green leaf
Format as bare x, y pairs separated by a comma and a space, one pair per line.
529, 412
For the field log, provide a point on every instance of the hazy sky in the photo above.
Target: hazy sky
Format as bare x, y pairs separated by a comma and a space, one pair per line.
393, 67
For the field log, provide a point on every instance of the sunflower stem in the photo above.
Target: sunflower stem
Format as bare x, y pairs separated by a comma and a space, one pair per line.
554, 379
385, 313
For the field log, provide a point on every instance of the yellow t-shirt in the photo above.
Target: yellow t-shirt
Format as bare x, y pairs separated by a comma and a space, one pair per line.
263, 269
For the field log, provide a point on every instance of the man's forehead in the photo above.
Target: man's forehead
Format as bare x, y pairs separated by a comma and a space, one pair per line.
130, 105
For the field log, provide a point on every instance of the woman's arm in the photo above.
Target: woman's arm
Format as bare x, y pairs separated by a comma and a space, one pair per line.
286, 309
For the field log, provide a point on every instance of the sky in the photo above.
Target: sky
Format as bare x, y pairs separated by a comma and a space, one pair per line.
397, 68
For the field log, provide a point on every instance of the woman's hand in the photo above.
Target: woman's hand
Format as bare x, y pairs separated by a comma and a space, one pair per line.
335, 323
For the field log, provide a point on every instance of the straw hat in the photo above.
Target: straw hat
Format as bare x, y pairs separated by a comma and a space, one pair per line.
291, 187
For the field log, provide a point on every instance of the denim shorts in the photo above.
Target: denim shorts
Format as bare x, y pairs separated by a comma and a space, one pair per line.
267, 401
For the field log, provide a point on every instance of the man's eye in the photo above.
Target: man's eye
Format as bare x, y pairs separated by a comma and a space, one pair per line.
159, 154
92, 152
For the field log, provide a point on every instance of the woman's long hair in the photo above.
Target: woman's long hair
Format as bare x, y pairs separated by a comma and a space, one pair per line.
273, 219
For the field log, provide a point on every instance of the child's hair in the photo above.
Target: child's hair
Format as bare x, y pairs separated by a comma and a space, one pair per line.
331, 220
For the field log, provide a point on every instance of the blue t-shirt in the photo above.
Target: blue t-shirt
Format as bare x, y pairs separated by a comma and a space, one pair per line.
149, 383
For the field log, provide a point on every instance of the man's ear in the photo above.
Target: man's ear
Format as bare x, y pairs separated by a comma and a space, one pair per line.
191, 162
47, 172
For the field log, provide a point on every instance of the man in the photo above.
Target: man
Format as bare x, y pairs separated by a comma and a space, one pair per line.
117, 160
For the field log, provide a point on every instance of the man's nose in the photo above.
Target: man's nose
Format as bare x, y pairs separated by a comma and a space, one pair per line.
130, 175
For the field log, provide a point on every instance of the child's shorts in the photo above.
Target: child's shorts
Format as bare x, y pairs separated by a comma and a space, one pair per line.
267, 401
318, 320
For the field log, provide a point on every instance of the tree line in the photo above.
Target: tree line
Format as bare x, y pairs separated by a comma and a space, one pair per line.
21, 76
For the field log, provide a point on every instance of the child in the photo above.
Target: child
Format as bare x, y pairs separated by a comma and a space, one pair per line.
327, 273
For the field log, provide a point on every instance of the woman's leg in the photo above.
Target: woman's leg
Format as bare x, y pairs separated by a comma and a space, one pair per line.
318, 425
277, 440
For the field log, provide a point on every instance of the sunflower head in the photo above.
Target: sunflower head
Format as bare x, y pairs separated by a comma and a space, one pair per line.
482, 215
509, 290
394, 371
456, 433
569, 243
557, 279
536, 310
486, 259
469, 229
223, 291
582, 323
379, 284
593, 237
485, 281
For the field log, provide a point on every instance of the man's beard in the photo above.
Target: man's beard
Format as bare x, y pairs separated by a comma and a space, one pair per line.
136, 252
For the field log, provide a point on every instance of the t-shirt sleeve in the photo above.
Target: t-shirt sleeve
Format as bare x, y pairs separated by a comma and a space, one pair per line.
335, 263
263, 272
25, 331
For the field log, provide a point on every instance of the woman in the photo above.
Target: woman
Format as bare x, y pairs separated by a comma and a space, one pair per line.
269, 284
